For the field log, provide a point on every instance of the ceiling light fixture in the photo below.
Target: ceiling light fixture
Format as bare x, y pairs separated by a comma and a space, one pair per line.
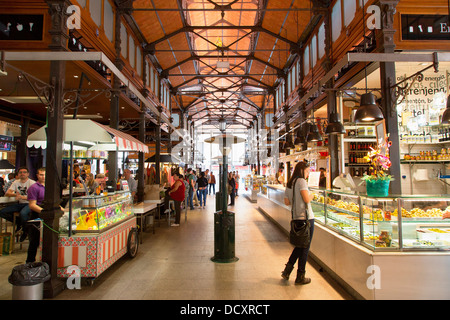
368, 109
334, 125
314, 134
300, 136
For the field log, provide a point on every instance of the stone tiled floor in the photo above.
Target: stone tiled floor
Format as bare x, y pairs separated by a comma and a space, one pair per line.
174, 263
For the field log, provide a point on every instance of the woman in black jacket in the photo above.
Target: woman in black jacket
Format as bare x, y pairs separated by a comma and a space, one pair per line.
202, 183
232, 187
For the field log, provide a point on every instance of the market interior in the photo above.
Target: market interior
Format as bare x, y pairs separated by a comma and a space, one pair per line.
249, 87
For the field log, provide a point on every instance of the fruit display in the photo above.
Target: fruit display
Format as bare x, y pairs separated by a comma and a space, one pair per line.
419, 213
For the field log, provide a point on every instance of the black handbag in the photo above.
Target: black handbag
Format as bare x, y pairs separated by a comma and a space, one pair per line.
299, 234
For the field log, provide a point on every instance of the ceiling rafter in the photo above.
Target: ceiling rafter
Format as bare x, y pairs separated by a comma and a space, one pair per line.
199, 58
255, 28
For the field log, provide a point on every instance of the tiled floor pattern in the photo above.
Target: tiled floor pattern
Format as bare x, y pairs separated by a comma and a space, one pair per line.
174, 263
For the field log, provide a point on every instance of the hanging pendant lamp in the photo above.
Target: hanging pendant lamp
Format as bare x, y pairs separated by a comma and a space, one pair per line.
300, 137
289, 144
446, 114
335, 126
368, 109
314, 134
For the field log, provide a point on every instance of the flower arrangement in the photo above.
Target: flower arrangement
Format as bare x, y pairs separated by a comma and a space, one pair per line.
379, 163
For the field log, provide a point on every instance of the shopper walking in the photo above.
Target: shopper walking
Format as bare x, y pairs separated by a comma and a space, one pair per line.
236, 177
212, 183
231, 188
195, 177
202, 183
191, 181
297, 192
208, 178
176, 193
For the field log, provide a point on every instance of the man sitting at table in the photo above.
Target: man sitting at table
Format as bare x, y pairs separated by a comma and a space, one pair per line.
19, 190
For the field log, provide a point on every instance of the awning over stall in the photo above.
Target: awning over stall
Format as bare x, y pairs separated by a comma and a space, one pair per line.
90, 135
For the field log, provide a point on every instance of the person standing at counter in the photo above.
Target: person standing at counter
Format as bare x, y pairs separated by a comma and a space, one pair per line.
132, 183
91, 184
297, 192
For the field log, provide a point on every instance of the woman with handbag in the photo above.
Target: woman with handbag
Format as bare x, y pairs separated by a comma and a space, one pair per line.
297, 194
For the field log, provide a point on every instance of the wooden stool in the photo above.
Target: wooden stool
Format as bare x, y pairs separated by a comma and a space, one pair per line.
15, 237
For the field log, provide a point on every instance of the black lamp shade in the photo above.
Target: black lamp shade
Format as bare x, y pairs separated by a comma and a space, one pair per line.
314, 134
289, 144
368, 109
300, 136
5, 165
334, 126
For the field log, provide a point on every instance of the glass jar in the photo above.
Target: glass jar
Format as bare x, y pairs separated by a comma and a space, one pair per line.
386, 237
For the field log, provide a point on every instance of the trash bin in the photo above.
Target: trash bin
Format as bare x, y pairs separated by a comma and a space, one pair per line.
219, 204
28, 280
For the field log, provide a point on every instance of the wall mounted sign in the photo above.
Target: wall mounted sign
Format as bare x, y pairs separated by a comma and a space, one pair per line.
5, 143
21, 27
425, 27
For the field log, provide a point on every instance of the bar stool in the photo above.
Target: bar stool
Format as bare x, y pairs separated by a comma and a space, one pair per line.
15, 236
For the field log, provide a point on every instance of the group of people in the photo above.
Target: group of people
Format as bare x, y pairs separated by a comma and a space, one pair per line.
233, 186
199, 186
194, 187
29, 195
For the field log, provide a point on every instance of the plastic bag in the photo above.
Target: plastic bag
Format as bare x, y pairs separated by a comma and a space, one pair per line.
30, 274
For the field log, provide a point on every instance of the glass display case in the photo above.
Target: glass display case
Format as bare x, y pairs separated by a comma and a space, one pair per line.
96, 213
254, 184
376, 224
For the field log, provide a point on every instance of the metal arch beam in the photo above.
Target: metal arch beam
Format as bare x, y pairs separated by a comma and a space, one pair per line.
198, 58
243, 76
258, 28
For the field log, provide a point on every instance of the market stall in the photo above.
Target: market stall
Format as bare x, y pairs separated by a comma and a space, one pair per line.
253, 184
95, 230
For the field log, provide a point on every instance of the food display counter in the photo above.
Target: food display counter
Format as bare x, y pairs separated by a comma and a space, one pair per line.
371, 249
253, 185
104, 229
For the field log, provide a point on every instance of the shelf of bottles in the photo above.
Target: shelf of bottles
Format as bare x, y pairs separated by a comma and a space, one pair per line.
431, 137
358, 166
427, 146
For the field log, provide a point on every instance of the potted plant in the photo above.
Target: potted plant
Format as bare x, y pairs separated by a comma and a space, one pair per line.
378, 179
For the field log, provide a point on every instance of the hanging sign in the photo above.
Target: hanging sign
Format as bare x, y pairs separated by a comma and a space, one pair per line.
21, 27
425, 27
